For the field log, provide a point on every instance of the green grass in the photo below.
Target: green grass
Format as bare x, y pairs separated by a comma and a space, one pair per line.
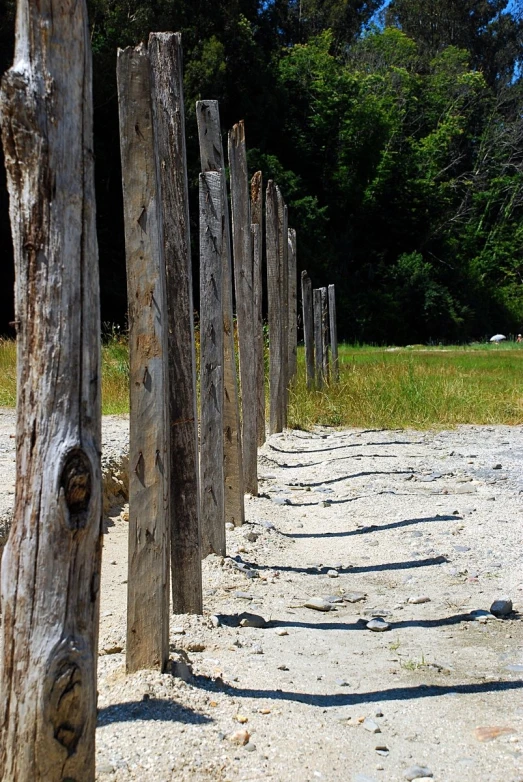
413, 387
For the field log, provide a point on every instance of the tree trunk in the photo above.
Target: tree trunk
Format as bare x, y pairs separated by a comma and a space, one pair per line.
274, 308
243, 279
211, 364
293, 304
308, 327
148, 577
51, 563
318, 340
257, 219
165, 53
211, 154
333, 329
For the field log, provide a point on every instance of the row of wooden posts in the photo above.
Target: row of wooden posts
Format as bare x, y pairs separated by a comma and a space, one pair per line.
319, 333
186, 479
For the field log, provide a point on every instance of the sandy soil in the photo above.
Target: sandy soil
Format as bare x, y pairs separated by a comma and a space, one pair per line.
378, 517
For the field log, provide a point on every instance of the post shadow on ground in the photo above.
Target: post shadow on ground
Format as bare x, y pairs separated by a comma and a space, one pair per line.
358, 698
322, 571
152, 709
354, 475
371, 528
339, 447
301, 466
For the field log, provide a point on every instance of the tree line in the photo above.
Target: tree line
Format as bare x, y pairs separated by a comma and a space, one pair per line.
395, 132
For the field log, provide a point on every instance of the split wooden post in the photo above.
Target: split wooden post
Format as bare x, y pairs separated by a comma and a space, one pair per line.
211, 364
211, 155
148, 566
257, 219
165, 53
283, 240
51, 563
325, 334
293, 305
243, 279
308, 327
318, 338
333, 330
276, 375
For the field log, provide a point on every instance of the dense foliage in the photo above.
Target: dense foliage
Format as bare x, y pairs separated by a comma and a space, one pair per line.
395, 131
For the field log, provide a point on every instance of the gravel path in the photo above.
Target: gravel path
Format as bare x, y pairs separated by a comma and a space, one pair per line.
415, 532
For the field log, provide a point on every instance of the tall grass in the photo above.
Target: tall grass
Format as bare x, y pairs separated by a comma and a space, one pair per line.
378, 388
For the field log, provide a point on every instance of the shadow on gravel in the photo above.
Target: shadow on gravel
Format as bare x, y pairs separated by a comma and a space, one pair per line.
301, 466
357, 698
339, 447
355, 475
361, 624
322, 571
371, 528
151, 709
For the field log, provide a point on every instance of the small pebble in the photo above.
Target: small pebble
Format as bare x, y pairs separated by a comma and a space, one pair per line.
332, 573
419, 599
243, 596
229, 526
215, 621
418, 772
342, 683
256, 649
281, 631
497, 467
354, 597
318, 604
371, 726
252, 620
378, 625
250, 747
501, 607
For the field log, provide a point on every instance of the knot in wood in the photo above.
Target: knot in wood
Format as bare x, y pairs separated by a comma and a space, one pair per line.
76, 484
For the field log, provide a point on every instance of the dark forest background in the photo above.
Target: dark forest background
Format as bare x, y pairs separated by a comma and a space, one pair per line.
395, 132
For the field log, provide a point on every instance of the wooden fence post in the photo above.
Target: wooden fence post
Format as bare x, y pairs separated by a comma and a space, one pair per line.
325, 334
308, 327
148, 567
283, 239
211, 364
165, 53
333, 330
318, 338
293, 305
276, 377
257, 219
51, 563
211, 154
243, 279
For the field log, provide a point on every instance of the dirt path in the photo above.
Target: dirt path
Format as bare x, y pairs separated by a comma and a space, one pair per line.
385, 516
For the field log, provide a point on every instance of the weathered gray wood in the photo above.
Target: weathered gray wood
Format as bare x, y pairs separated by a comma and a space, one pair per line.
165, 54
283, 240
293, 305
148, 567
325, 334
51, 563
243, 281
318, 341
308, 327
333, 330
211, 364
211, 155
257, 219
272, 249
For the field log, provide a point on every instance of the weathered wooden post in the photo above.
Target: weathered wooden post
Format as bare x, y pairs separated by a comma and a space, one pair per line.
165, 53
325, 334
257, 219
318, 338
51, 563
243, 280
333, 330
293, 305
308, 327
276, 375
148, 567
211, 154
283, 240
211, 364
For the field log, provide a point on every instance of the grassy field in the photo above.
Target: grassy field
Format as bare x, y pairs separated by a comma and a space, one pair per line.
379, 388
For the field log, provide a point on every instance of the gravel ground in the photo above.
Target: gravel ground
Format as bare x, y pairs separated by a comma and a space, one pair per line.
418, 531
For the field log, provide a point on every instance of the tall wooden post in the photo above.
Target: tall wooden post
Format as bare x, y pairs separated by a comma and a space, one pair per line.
165, 53
257, 219
283, 240
293, 305
211, 364
243, 279
276, 375
318, 338
325, 333
308, 327
148, 566
51, 563
211, 155
333, 330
